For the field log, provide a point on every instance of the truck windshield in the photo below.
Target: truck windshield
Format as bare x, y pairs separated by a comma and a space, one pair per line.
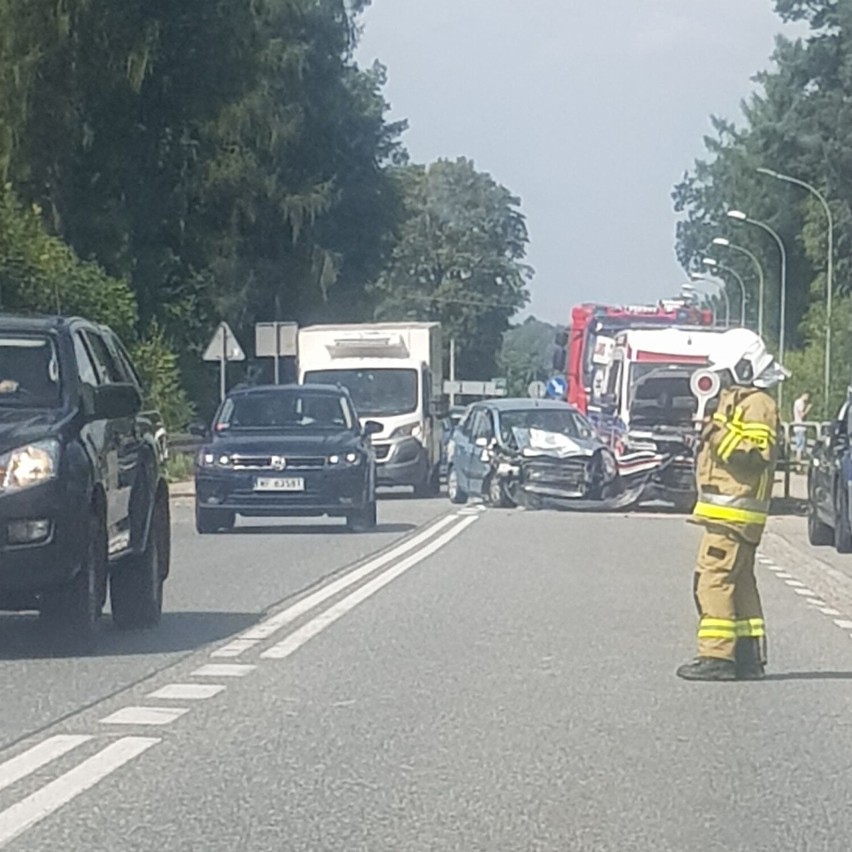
661, 396
376, 393
284, 410
29, 371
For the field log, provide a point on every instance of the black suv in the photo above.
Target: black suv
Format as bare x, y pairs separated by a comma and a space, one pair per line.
84, 502
289, 450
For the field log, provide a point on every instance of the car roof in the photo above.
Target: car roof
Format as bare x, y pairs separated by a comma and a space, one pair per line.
330, 390
32, 323
522, 404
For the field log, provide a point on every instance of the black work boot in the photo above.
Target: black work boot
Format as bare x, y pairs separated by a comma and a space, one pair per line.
748, 660
708, 668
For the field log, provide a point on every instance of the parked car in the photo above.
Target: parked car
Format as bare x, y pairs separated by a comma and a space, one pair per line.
84, 504
527, 452
286, 451
830, 486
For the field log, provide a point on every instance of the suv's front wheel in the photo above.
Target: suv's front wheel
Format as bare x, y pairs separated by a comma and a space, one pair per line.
136, 588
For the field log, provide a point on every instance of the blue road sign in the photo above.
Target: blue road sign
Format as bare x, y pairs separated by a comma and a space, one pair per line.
557, 388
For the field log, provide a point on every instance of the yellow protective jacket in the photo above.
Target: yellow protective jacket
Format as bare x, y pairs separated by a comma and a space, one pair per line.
736, 463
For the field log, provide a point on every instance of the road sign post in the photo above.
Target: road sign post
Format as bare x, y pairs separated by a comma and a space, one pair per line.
224, 347
276, 340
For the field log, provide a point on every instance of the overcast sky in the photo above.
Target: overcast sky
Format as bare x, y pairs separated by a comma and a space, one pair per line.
589, 110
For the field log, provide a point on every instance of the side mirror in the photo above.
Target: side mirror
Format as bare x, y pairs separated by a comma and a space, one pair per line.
440, 406
373, 427
111, 402
198, 429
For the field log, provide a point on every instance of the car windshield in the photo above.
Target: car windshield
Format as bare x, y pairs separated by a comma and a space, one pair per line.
558, 421
273, 409
375, 393
662, 395
29, 371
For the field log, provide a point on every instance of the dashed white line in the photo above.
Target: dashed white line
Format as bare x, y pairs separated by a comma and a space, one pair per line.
224, 670
34, 808
829, 611
817, 602
33, 759
235, 648
843, 624
805, 593
783, 575
272, 625
796, 584
145, 716
299, 637
187, 691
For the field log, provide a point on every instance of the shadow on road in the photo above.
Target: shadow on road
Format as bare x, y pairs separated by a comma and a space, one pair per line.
787, 506
25, 637
307, 529
810, 676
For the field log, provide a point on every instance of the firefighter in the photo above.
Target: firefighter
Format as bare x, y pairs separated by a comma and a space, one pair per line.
735, 470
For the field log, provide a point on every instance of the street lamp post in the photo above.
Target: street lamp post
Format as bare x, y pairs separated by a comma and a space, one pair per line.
829, 268
714, 264
739, 216
761, 278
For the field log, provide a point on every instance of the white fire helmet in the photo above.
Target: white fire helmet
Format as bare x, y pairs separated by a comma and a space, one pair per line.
745, 354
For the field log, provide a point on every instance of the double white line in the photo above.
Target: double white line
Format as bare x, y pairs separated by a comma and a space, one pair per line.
423, 545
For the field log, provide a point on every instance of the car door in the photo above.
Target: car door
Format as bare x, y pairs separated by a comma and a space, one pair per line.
123, 441
483, 435
844, 461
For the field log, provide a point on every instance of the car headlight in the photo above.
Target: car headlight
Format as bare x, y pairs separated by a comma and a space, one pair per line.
30, 465
410, 430
350, 458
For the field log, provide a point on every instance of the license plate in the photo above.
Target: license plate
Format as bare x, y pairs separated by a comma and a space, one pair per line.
279, 484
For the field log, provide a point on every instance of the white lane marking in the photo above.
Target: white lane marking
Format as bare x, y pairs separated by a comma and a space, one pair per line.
187, 691
16, 768
829, 611
316, 625
223, 670
34, 808
235, 648
817, 602
844, 624
145, 716
796, 584
805, 593
273, 624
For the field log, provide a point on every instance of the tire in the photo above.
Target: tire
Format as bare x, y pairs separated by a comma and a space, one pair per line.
842, 530
136, 587
496, 494
210, 521
819, 534
364, 520
76, 607
454, 491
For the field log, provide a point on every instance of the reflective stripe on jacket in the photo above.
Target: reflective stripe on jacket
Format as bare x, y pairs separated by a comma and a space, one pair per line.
736, 463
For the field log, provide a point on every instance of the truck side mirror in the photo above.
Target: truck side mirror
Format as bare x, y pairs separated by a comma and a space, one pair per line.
198, 428
373, 427
440, 406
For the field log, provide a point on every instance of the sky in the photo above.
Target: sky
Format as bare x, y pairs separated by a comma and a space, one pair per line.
589, 110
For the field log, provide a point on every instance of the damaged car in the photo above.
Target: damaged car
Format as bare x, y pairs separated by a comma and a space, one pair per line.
532, 453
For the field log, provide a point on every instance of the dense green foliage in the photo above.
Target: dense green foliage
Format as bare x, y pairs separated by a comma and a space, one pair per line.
458, 260
230, 160
800, 124
527, 355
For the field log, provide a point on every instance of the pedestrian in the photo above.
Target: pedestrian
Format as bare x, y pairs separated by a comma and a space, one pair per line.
801, 410
735, 471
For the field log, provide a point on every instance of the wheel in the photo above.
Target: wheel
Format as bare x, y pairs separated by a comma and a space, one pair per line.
496, 494
819, 534
454, 491
136, 587
842, 530
209, 521
364, 520
76, 607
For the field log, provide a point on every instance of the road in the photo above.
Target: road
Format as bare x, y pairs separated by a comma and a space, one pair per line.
463, 679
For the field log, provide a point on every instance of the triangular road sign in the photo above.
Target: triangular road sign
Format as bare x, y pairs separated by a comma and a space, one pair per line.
224, 346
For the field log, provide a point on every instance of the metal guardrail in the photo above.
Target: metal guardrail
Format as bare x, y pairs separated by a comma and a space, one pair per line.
816, 432
187, 444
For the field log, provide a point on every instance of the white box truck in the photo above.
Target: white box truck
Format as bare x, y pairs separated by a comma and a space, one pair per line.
394, 374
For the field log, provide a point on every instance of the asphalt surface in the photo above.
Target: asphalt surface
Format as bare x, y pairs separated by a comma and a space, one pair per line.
493, 680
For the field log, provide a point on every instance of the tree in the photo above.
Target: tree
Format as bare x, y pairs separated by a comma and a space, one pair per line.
527, 354
799, 123
458, 260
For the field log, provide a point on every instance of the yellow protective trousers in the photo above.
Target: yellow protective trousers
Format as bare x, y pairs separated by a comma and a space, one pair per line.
726, 595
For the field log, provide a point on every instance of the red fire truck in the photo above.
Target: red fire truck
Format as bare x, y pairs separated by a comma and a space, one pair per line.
593, 328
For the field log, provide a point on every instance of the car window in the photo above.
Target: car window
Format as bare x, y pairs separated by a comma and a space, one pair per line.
85, 365
284, 410
483, 426
105, 365
123, 361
